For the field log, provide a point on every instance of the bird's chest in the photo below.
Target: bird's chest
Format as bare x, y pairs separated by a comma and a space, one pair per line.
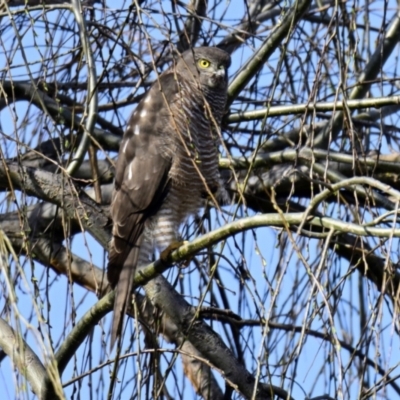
195, 154
195, 163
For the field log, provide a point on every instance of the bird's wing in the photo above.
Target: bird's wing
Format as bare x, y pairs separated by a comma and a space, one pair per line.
141, 185
141, 178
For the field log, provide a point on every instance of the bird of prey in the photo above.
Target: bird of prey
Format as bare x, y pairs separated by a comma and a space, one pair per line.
167, 165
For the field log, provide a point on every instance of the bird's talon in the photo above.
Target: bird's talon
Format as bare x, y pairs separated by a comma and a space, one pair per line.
166, 254
187, 262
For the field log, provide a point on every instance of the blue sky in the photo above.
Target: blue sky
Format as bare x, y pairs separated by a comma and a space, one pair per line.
273, 275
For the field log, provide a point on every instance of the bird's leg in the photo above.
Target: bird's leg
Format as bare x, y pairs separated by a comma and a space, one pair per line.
165, 255
167, 232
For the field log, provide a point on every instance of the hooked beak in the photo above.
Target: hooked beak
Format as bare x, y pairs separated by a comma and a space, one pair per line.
220, 74
218, 77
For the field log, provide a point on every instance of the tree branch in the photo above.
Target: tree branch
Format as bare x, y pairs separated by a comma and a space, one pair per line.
24, 90
58, 190
190, 34
371, 71
274, 111
257, 60
24, 358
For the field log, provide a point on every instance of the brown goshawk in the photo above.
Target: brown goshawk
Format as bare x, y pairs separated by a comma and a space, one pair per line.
167, 165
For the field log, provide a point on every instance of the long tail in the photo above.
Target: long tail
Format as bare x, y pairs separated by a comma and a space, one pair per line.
123, 291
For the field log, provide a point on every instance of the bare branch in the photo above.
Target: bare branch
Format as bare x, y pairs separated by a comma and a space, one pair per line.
58, 190
23, 90
283, 31
23, 357
190, 34
371, 71
92, 101
302, 108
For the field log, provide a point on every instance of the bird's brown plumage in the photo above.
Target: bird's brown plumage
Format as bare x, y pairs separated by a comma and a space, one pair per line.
167, 161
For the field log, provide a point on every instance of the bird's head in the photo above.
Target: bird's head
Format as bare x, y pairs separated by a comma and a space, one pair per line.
207, 64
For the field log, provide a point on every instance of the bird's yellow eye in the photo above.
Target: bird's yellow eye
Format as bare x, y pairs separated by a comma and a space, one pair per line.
203, 63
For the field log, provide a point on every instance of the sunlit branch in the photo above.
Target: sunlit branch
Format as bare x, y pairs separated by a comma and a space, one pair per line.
83, 327
92, 101
274, 111
56, 189
23, 357
307, 154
